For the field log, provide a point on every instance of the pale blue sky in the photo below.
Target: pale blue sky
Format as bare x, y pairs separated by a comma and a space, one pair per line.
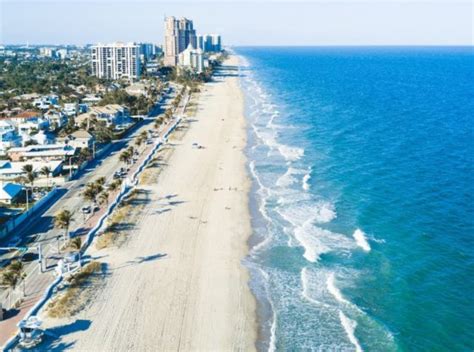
310, 22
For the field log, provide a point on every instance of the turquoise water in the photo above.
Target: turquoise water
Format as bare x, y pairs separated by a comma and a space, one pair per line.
362, 201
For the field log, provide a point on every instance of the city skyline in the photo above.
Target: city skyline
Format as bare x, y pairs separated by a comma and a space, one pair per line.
242, 23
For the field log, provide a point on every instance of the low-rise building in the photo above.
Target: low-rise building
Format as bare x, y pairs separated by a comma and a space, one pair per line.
43, 138
46, 101
111, 114
24, 116
32, 125
10, 192
91, 98
42, 152
55, 118
137, 89
8, 136
10, 170
79, 139
70, 109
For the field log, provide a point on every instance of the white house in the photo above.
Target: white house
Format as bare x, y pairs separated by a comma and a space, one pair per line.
91, 98
79, 139
8, 135
46, 101
44, 138
70, 109
31, 125
55, 118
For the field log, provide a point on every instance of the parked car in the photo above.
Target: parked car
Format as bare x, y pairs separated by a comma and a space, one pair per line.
29, 257
87, 209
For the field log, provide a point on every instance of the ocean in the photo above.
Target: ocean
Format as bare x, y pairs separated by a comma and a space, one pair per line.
362, 201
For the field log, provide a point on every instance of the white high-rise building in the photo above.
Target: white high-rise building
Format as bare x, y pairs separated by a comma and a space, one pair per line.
115, 61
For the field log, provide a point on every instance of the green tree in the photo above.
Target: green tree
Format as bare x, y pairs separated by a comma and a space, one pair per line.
104, 198
46, 171
27, 168
62, 220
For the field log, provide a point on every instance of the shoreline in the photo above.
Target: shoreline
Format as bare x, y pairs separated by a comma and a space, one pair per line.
187, 287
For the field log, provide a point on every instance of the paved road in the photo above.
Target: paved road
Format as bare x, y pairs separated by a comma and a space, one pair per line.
40, 229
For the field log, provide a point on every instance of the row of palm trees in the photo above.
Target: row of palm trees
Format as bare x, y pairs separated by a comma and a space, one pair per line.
95, 192
127, 155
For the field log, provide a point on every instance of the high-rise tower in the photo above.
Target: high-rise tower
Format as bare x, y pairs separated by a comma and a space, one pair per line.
179, 33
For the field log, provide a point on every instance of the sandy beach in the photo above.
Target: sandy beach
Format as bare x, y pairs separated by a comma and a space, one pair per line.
178, 283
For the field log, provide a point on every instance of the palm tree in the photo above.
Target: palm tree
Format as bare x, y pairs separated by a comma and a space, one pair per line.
17, 268
10, 279
158, 121
75, 243
89, 194
113, 187
138, 141
124, 156
104, 198
46, 171
100, 181
62, 220
31, 176
91, 191
27, 168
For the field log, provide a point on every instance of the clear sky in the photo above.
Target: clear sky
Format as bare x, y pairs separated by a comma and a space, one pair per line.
310, 22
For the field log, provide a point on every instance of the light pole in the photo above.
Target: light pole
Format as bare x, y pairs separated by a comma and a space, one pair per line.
40, 258
27, 202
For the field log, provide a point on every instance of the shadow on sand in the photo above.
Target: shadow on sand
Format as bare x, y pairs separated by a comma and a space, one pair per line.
52, 338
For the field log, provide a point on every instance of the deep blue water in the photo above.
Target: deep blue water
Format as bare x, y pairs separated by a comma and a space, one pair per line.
363, 197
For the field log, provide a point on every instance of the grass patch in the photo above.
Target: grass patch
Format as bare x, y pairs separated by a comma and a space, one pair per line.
120, 222
105, 240
70, 302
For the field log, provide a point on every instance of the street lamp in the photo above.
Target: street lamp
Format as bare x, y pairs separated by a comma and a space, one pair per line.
27, 202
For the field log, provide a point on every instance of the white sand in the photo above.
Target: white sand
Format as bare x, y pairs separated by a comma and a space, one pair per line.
196, 297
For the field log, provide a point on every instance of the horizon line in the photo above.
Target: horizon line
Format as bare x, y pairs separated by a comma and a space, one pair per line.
265, 45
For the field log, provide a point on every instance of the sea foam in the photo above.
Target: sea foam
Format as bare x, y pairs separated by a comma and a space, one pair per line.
306, 178
333, 290
361, 240
349, 326
290, 153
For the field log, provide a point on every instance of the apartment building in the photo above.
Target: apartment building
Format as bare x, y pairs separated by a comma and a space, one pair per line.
116, 60
179, 34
